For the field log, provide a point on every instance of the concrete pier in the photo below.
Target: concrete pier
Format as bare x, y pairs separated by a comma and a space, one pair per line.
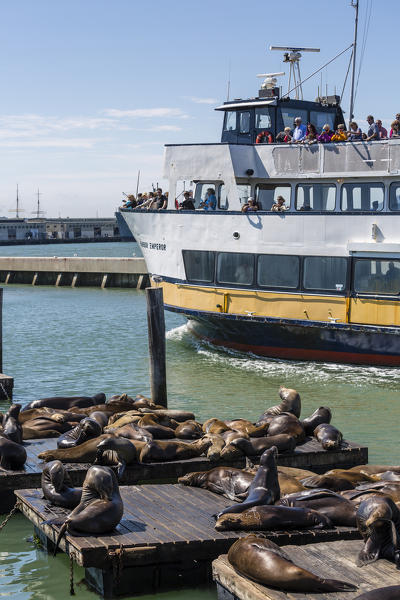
74, 271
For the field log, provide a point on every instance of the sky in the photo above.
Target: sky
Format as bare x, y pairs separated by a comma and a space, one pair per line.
93, 89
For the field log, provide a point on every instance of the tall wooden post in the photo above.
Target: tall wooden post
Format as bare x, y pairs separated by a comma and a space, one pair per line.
1, 330
156, 329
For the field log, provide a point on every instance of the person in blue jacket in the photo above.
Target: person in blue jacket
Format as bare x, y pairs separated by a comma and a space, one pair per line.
210, 203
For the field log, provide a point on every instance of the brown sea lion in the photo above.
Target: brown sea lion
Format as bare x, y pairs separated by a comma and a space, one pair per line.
11, 428
158, 431
118, 451
264, 489
246, 427
85, 453
294, 472
272, 518
123, 418
335, 480
319, 416
12, 455
389, 488
378, 521
391, 592
328, 436
228, 436
255, 446
45, 427
374, 469
57, 487
289, 424
289, 484
227, 481
339, 510
66, 402
86, 429
100, 509
215, 426
165, 450
264, 562
100, 417
189, 430
131, 431
291, 403
59, 414
216, 446
170, 413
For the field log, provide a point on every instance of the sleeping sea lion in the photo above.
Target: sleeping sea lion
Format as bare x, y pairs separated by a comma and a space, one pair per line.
57, 487
12, 455
264, 489
11, 428
86, 429
118, 451
165, 450
45, 411
328, 436
246, 427
170, 413
291, 403
131, 431
216, 446
85, 453
67, 402
215, 426
46, 427
335, 480
272, 518
319, 416
391, 592
264, 562
254, 446
100, 417
100, 509
334, 506
189, 430
289, 424
227, 481
378, 521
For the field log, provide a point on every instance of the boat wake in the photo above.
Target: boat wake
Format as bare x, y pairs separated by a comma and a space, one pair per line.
359, 375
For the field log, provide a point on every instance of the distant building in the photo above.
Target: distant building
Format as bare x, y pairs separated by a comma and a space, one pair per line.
71, 228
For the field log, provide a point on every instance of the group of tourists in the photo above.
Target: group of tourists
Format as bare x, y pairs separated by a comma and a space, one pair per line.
159, 201
302, 134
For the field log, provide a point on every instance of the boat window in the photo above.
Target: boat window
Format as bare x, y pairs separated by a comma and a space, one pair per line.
319, 118
263, 118
278, 271
223, 203
325, 273
244, 122
235, 268
377, 276
267, 193
316, 196
243, 191
230, 121
394, 196
289, 115
362, 196
199, 265
200, 194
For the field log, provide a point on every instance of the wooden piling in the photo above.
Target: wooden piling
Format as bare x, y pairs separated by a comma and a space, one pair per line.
156, 332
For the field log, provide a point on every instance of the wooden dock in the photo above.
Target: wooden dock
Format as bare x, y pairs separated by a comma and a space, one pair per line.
335, 560
166, 538
309, 455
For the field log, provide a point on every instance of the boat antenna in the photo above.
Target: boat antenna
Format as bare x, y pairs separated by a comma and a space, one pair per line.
354, 4
17, 209
292, 56
137, 183
228, 89
38, 212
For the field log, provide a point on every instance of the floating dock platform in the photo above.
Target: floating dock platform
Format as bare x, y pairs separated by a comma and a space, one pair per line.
335, 560
166, 538
309, 455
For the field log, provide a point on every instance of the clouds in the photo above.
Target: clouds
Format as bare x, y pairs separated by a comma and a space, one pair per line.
148, 113
198, 100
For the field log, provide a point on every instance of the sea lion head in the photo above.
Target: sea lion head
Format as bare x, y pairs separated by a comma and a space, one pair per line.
90, 427
56, 473
13, 411
102, 481
194, 479
320, 521
268, 458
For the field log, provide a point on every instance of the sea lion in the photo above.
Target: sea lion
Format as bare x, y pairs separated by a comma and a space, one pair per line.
189, 430
388, 488
338, 510
57, 487
131, 431
227, 481
170, 413
378, 521
335, 480
100, 417
272, 518
391, 592
118, 451
12, 455
291, 403
319, 416
228, 436
46, 427
289, 424
296, 473
247, 427
11, 428
215, 426
100, 509
158, 431
124, 418
254, 446
216, 446
84, 453
374, 469
67, 402
54, 413
165, 450
86, 429
289, 484
328, 436
264, 562
264, 489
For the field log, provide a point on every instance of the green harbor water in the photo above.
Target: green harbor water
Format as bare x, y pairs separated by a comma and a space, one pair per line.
62, 341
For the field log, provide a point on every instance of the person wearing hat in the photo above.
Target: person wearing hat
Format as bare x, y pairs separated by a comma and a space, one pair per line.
340, 134
279, 205
250, 206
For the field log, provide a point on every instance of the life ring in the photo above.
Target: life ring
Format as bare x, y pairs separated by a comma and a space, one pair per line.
264, 137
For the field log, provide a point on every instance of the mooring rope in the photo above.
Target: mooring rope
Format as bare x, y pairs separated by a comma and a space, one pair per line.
10, 514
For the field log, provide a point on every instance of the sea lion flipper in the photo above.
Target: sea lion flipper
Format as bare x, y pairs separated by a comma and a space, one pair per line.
368, 555
121, 469
334, 585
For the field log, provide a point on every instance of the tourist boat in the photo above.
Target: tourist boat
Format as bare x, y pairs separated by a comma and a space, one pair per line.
320, 281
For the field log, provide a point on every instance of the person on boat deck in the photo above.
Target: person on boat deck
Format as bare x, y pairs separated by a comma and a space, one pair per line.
373, 130
395, 129
279, 206
312, 136
250, 206
375, 205
326, 134
340, 134
285, 136
306, 206
145, 200
299, 132
382, 131
159, 202
355, 133
210, 202
187, 203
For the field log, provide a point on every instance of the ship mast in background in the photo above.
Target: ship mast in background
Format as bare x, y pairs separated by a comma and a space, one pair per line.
354, 3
